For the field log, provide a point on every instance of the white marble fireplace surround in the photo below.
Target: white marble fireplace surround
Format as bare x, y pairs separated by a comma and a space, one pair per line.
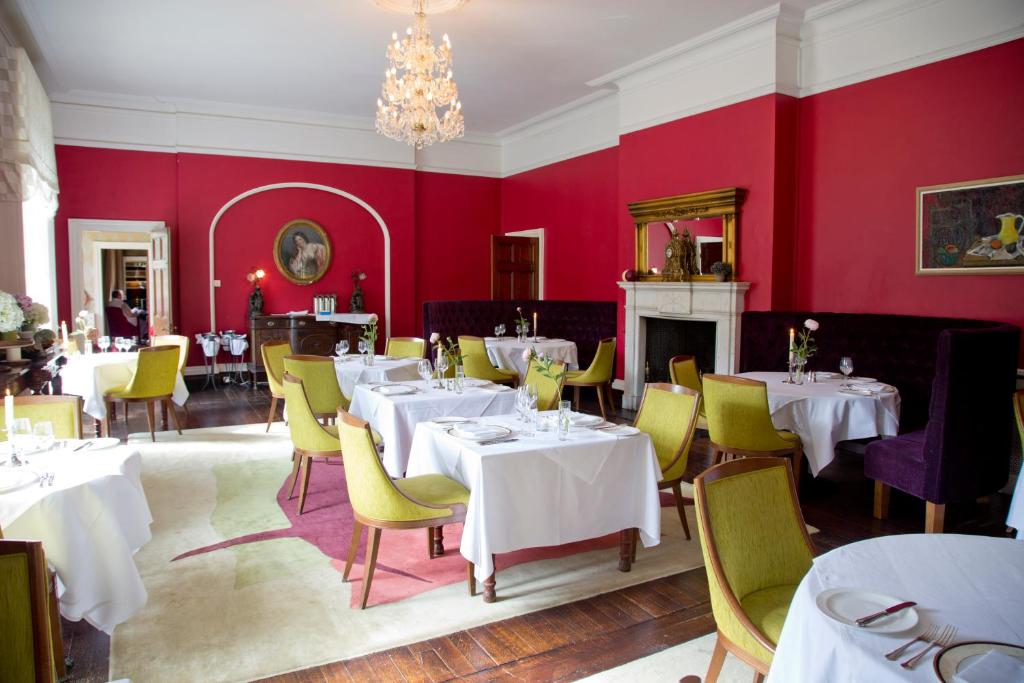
717, 302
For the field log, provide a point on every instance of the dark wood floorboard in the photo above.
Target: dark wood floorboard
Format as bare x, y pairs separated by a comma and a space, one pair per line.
570, 641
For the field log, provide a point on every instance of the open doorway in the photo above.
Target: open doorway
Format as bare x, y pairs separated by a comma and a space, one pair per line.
124, 281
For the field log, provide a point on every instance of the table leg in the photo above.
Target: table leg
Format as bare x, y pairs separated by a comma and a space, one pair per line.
625, 550
490, 584
439, 541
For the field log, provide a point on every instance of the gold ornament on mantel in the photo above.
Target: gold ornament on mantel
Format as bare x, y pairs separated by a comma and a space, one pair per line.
680, 256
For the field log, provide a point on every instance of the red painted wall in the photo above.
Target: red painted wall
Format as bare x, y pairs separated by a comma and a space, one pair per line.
864, 149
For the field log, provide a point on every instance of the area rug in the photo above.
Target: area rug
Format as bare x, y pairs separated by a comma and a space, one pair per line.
671, 664
256, 592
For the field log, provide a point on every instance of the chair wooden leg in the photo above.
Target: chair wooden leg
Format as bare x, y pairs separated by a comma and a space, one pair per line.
296, 462
600, 402
307, 465
357, 531
56, 637
106, 418
150, 418
438, 549
634, 537
370, 565
576, 398
471, 579
273, 412
881, 500
611, 397
677, 491
934, 517
758, 677
430, 542
163, 415
717, 660
798, 466
174, 414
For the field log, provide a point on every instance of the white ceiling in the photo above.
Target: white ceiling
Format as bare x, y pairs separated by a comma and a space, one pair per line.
514, 59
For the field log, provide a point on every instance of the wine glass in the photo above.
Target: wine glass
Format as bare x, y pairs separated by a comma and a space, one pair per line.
846, 366
425, 370
19, 433
117, 343
341, 348
501, 330
103, 343
362, 346
442, 366
43, 432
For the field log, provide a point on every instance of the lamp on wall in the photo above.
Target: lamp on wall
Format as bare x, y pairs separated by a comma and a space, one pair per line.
256, 276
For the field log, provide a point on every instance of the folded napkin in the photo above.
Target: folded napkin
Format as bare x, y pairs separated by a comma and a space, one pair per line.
992, 667
478, 432
584, 420
876, 387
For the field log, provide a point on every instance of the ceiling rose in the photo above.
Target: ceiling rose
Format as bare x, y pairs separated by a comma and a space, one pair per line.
430, 7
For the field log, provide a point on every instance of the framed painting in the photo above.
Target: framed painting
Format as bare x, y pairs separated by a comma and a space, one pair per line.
302, 251
974, 228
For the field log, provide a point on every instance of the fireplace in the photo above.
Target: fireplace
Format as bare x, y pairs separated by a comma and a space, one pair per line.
714, 307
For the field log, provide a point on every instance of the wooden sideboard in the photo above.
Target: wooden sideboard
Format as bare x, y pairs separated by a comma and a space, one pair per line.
305, 333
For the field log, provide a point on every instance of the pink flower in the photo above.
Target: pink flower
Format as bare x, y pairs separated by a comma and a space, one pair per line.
362, 276
372, 319
434, 337
527, 355
811, 324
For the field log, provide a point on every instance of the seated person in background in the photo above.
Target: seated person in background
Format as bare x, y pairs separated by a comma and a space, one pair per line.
117, 301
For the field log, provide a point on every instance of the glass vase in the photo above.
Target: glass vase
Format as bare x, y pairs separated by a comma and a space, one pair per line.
369, 358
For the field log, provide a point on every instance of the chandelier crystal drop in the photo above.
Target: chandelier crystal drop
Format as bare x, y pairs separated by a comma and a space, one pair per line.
419, 101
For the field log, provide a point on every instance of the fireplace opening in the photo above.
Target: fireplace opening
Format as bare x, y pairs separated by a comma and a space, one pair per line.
668, 338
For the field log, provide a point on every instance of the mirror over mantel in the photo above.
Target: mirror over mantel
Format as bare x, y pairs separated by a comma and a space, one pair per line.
680, 237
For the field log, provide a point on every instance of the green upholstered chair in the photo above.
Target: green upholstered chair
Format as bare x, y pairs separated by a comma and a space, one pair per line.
406, 347
756, 550
598, 375
740, 424
668, 414
310, 438
63, 412
273, 353
378, 502
477, 364
153, 382
549, 391
27, 606
321, 382
682, 370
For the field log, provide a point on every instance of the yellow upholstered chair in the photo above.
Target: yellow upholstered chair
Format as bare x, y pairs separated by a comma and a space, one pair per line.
1018, 409
668, 414
273, 353
177, 340
310, 438
740, 424
63, 412
28, 651
477, 364
598, 375
321, 383
406, 347
378, 502
549, 391
756, 550
152, 383
682, 370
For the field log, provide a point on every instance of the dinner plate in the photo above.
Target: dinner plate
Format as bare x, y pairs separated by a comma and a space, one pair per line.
853, 391
474, 382
492, 432
622, 430
12, 479
951, 660
583, 420
861, 379
847, 605
450, 419
395, 389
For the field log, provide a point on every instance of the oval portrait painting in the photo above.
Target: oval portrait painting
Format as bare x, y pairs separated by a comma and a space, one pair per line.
302, 251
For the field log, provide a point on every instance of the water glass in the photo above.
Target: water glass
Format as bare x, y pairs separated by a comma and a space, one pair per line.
564, 422
460, 379
43, 432
497, 330
442, 366
846, 366
341, 348
424, 370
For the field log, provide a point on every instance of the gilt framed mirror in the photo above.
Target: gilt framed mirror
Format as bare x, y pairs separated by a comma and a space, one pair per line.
680, 237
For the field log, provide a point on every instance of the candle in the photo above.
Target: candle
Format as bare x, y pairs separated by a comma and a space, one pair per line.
9, 410
792, 343
64, 332
535, 323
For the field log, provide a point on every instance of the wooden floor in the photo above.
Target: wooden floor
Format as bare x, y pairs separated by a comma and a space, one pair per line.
577, 639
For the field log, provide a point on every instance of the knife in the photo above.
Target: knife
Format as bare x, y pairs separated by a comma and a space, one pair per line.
864, 621
84, 445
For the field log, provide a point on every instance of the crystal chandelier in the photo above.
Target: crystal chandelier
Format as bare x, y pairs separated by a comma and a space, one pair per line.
417, 84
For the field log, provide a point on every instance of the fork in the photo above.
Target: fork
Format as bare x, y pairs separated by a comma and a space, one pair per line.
945, 637
927, 634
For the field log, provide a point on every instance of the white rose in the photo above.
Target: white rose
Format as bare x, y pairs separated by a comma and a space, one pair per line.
373, 318
435, 337
811, 324
527, 354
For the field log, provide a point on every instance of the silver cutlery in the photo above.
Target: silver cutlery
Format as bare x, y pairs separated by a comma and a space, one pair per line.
84, 445
864, 621
945, 637
927, 634
503, 439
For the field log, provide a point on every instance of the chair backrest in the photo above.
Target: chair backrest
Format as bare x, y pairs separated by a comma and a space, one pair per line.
118, 324
273, 353
370, 490
738, 415
26, 648
63, 412
603, 365
320, 381
475, 361
549, 391
306, 431
682, 370
1018, 409
406, 347
178, 340
668, 414
753, 536
155, 373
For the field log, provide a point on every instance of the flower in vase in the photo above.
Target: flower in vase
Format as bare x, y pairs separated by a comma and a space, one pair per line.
434, 337
527, 355
11, 314
372, 319
811, 324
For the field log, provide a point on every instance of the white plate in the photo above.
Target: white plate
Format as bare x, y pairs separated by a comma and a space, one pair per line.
622, 430
853, 391
493, 432
12, 479
582, 420
474, 382
847, 605
95, 444
450, 419
395, 389
955, 658
823, 374
861, 379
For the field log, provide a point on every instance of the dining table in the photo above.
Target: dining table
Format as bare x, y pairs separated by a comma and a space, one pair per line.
830, 410
91, 375
84, 500
533, 489
352, 370
972, 583
507, 352
394, 409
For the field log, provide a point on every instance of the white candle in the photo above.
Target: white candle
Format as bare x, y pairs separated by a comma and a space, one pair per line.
535, 323
792, 344
64, 332
8, 410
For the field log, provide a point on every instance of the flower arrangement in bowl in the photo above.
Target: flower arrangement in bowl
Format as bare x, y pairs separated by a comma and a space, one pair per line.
721, 270
35, 313
522, 325
801, 348
12, 317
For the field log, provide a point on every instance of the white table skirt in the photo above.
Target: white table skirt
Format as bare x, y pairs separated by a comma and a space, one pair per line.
539, 491
92, 375
1015, 518
352, 371
91, 522
973, 582
507, 353
396, 417
823, 417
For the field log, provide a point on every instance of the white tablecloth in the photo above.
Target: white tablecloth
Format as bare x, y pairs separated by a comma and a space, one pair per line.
91, 522
396, 417
352, 371
507, 353
823, 417
1015, 518
973, 582
539, 491
92, 375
